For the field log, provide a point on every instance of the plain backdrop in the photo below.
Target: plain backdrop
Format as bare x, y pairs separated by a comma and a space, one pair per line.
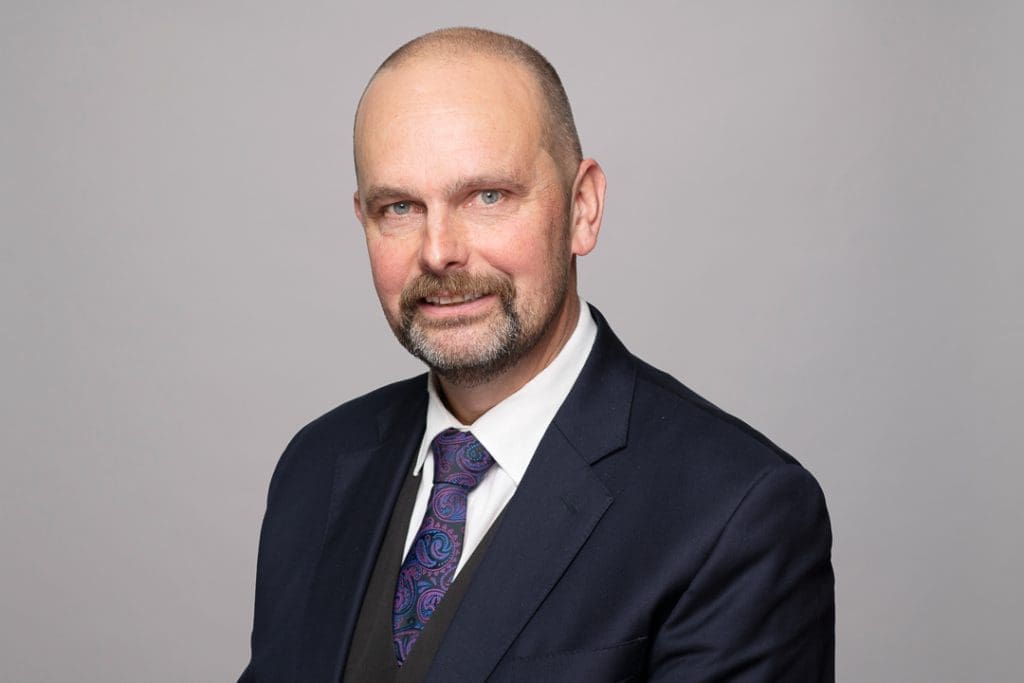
814, 219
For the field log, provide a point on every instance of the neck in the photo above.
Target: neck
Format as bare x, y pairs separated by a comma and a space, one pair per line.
468, 403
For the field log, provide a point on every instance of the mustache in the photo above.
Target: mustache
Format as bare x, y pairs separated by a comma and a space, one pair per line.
457, 283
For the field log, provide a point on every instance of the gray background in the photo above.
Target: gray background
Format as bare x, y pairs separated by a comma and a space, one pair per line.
813, 219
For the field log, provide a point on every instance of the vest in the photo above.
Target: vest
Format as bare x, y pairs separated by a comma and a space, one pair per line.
371, 658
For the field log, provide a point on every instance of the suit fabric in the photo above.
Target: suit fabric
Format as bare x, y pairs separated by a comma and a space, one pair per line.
653, 537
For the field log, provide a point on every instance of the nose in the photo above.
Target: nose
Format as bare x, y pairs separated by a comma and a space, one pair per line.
444, 244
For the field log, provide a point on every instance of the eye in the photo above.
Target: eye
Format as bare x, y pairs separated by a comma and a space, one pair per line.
490, 196
398, 208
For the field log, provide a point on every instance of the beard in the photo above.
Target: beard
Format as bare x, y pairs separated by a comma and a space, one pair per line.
454, 348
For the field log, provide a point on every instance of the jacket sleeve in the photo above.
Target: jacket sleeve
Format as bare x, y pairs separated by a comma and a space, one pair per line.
762, 607
272, 567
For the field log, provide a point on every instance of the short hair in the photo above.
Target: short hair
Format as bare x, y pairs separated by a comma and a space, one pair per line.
562, 141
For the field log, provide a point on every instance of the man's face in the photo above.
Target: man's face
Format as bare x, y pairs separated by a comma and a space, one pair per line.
466, 214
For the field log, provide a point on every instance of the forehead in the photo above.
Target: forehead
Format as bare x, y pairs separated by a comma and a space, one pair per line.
447, 116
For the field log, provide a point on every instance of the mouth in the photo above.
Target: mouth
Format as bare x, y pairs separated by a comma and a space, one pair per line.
449, 307
451, 299
455, 299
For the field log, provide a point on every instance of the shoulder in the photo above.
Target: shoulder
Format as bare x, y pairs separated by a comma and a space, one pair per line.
675, 436
353, 425
680, 437
710, 476
664, 399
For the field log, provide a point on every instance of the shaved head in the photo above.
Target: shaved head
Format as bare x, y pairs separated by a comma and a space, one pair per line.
560, 138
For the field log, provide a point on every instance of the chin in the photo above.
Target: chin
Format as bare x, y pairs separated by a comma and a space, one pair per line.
467, 361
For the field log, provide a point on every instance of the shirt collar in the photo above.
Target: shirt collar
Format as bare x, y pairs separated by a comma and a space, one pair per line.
512, 430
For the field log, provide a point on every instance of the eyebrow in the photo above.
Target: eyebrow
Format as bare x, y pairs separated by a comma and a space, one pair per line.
498, 181
379, 194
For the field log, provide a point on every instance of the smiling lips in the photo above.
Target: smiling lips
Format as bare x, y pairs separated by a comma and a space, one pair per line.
455, 294
453, 299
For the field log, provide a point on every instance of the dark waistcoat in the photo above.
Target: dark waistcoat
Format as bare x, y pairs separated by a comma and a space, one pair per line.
371, 658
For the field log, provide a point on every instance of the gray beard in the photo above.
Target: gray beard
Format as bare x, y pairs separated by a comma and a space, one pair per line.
506, 345
509, 339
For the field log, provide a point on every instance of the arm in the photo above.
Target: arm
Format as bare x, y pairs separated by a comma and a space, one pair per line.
761, 608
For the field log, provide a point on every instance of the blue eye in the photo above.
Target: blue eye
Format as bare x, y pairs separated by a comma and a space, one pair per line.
490, 196
400, 208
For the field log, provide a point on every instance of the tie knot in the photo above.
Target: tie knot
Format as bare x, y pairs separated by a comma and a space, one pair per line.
459, 459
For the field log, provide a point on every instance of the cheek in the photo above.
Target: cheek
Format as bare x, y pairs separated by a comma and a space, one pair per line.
545, 249
532, 244
533, 264
389, 272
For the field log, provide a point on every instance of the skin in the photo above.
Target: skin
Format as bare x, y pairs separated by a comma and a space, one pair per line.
453, 178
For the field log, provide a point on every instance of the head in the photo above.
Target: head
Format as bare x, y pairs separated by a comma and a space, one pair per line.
475, 201
559, 136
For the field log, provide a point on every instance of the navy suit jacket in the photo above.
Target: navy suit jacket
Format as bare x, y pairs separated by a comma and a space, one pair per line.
653, 537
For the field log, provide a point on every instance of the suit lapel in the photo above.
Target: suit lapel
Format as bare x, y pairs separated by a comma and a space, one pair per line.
365, 487
552, 514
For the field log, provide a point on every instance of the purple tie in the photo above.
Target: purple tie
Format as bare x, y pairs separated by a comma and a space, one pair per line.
460, 463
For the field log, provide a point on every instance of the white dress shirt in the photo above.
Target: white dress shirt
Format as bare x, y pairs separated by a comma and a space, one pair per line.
510, 431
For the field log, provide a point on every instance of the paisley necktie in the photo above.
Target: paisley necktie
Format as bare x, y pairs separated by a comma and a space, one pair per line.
460, 463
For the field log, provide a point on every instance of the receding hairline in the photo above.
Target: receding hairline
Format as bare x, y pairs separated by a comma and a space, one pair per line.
561, 139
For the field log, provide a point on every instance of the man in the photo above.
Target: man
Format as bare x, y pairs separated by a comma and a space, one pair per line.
542, 505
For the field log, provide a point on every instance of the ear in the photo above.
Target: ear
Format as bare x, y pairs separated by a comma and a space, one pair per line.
587, 206
358, 207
